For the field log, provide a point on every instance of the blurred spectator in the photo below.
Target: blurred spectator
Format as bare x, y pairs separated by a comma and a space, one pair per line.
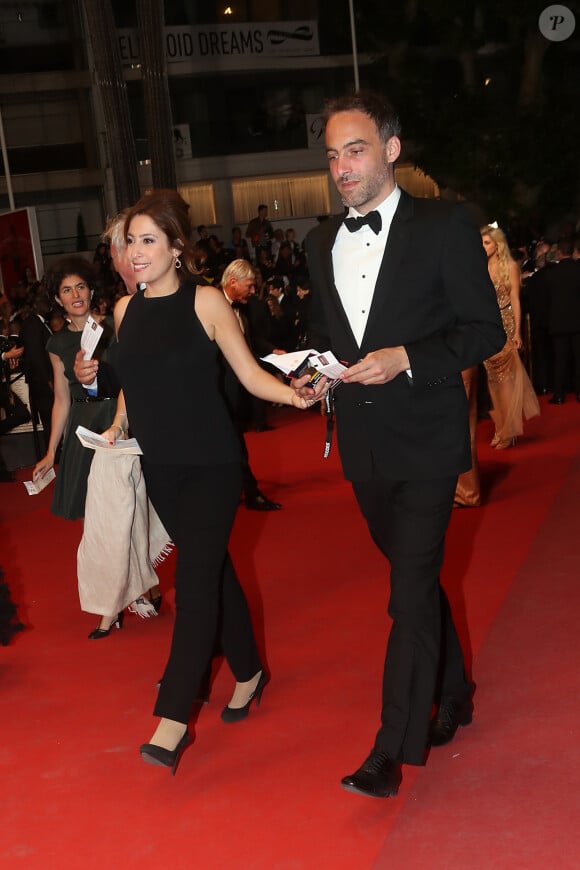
34, 334
302, 312
238, 246
564, 323
260, 231
265, 264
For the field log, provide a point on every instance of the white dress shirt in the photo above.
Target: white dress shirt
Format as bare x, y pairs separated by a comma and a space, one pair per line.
356, 259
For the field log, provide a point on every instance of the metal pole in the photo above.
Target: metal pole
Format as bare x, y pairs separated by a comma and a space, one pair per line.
354, 49
6, 166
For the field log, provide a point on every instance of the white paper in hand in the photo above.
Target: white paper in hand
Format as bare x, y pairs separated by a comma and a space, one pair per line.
90, 337
94, 441
89, 341
33, 487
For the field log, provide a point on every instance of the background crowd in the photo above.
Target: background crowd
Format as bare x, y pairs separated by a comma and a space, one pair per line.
277, 312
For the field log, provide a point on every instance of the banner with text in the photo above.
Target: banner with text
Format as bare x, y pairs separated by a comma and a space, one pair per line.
232, 42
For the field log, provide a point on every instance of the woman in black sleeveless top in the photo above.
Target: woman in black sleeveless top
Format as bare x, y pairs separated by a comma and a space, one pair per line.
168, 340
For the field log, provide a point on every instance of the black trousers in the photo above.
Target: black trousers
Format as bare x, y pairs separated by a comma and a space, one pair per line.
197, 505
408, 521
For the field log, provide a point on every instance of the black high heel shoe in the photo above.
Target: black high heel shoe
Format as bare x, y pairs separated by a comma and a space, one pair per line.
98, 633
156, 602
236, 714
153, 754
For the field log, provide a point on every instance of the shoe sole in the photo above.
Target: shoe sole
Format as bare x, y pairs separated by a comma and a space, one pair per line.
148, 759
392, 792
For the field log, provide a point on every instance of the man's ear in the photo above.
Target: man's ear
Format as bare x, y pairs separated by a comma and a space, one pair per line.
393, 149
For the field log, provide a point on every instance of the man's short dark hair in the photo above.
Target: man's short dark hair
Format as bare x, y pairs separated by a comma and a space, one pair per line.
566, 246
377, 107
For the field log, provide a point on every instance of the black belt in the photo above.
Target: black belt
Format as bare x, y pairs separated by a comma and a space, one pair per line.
94, 399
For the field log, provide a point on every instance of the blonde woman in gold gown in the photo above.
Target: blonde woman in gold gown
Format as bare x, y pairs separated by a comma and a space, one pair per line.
511, 391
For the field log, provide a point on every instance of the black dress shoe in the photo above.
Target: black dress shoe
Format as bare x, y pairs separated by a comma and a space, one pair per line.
556, 399
377, 777
450, 714
264, 427
259, 502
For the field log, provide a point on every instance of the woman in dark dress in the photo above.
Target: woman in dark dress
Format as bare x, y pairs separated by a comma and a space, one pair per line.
71, 282
167, 361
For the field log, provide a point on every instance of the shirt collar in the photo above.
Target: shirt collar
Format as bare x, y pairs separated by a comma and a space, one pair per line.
386, 209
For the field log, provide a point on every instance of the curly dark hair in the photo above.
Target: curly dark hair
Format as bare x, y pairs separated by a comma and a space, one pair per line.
72, 264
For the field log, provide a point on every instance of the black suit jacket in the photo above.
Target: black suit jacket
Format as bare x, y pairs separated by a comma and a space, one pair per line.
434, 296
563, 280
37, 367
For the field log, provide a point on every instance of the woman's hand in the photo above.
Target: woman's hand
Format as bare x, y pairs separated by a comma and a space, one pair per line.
44, 465
85, 369
305, 396
114, 433
517, 340
13, 355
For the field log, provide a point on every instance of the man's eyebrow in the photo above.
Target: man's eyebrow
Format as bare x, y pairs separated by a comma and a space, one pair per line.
348, 144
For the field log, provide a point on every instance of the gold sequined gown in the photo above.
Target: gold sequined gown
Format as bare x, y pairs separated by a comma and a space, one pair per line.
511, 391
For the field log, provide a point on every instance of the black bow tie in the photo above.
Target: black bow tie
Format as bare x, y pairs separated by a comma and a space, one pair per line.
373, 219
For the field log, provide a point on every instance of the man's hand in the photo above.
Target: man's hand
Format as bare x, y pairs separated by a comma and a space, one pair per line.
85, 369
378, 367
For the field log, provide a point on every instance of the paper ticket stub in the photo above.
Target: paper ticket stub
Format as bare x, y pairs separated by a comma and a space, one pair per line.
33, 487
90, 337
89, 341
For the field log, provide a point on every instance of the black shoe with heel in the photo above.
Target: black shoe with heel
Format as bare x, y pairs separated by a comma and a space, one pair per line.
98, 633
236, 714
158, 755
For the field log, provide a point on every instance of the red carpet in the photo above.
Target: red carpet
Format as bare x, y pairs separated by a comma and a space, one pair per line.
264, 793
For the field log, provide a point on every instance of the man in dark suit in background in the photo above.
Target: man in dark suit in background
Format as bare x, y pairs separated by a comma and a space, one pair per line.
563, 280
401, 293
34, 335
238, 284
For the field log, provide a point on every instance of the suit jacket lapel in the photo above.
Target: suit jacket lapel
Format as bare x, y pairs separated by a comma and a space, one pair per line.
332, 227
394, 249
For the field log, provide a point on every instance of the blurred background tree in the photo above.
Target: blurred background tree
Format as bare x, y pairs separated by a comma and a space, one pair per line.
489, 104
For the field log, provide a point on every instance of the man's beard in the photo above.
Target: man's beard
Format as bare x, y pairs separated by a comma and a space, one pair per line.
367, 189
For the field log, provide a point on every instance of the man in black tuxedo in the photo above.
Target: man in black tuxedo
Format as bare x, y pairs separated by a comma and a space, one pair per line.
401, 293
